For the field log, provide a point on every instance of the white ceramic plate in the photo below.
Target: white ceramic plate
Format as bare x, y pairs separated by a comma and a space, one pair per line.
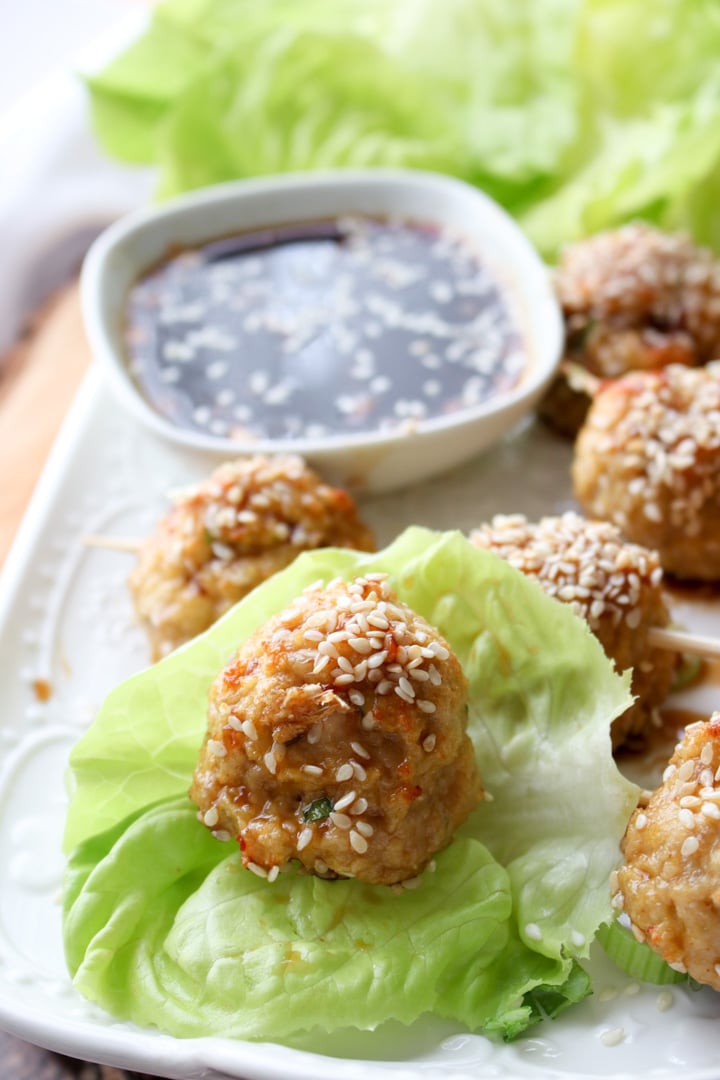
66, 631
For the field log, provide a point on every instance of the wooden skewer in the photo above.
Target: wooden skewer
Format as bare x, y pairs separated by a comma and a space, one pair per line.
658, 637
681, 641
112, 543
580, 379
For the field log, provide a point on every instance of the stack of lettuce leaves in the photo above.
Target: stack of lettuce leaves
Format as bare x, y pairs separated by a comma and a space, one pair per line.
574, 114
163, 925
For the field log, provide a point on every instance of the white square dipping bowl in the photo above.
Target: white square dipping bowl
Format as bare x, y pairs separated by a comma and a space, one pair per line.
372, 461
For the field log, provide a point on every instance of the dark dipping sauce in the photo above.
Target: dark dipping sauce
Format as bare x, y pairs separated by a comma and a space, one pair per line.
320, 329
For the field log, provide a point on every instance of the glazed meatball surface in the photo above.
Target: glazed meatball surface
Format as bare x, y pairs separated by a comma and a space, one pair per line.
670, 883
337, 737
613, 585
226, 535
648, 459
633, 299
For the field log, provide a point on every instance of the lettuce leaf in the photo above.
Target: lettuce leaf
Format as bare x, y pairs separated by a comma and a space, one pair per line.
162, 924
543, 105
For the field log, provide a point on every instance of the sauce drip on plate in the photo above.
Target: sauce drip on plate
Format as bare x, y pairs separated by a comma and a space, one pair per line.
321, 329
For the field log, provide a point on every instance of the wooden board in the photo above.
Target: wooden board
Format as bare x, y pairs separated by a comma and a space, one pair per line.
38, 380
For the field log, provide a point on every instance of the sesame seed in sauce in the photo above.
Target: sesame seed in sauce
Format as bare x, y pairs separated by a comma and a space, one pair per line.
613, 1036
304, 838
347, 800
438, 296
216, 748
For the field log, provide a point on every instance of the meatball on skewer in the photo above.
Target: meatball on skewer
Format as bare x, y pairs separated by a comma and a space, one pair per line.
633, 299
337, 737
669, 885
614, 586
648, 459
226, 535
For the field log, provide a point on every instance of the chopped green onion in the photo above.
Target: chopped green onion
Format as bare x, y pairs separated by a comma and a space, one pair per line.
318, 810
635, 957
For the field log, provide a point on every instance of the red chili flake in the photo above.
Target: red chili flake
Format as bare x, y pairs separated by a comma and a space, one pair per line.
410, 793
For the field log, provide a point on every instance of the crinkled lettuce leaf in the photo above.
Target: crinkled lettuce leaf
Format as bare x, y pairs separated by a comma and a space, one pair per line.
575, 114
164, 926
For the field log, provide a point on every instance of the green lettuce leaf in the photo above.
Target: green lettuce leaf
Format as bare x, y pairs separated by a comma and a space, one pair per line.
163, 925
544, 105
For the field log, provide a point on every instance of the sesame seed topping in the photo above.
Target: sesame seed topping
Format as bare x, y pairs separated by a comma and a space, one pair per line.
259, 871
428, 743
345, 772
641, 821
270, 762
211, 816
358, 842
359, 806
341, 820
689, 846
365, 828
346, 800
359, 750
664, 1001
304, 838
216, 748
311, 770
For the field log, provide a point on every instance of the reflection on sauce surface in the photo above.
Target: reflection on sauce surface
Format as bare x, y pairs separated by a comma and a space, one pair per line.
320, 329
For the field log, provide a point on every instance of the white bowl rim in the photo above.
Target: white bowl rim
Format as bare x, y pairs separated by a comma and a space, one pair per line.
546, 358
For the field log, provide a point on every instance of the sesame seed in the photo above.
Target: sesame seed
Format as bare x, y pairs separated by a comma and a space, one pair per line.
259, 871
641, 821
706, 754
304, 838
359, 771
341, 820
686, 770
222, 835
613, 1036
311, 770
686, 818
273, 873
211, 816
365, 828
270, 762
711, 810
358, 842
428, 743
359, 806
346, 800
345, 772
216, 748
689, 846
426, 706
411, 883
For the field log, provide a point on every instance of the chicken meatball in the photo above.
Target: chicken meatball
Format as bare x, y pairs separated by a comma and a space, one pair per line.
249, 519
669, 885
648, 459
337, 737
633, 299
614, 586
